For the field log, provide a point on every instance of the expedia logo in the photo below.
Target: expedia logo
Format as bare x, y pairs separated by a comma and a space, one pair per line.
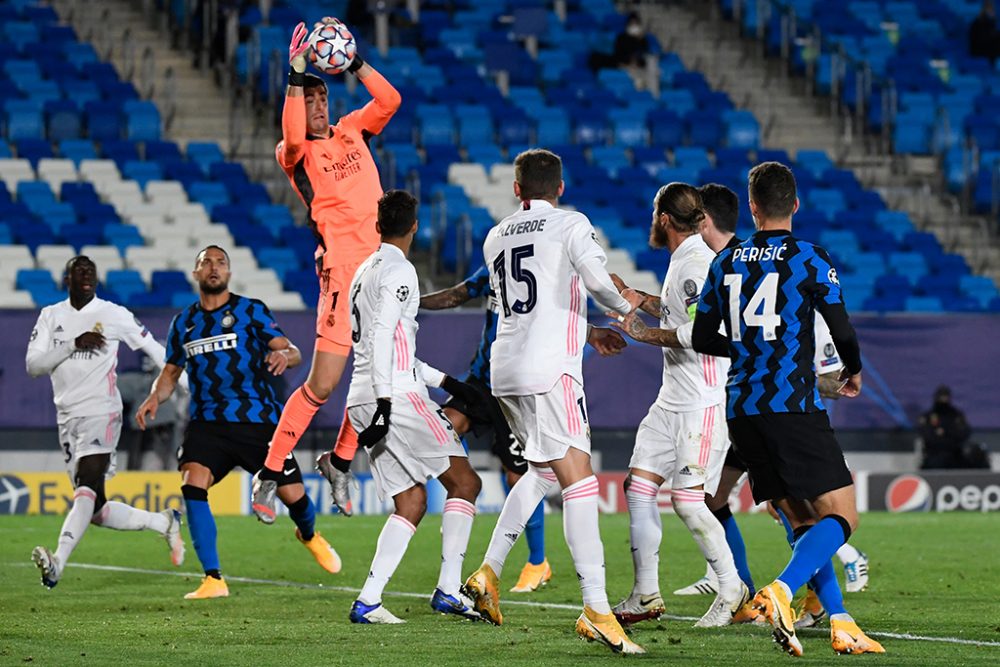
14, 495
908, 493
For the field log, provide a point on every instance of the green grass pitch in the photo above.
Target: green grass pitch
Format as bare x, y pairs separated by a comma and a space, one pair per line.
932, 575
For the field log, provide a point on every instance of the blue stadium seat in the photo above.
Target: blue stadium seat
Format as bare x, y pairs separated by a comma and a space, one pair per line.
142, 121
24, 120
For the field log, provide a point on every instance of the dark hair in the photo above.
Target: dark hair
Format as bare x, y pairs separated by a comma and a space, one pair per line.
722, 205
682, 203
197, 258
74, 260
772, 190
538, 172
313, 81
397, 211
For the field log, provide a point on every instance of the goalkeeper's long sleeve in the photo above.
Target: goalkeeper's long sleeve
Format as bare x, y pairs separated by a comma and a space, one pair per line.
384, 104
293, 131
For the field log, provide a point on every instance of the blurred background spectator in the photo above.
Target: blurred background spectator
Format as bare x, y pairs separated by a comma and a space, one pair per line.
631, 47
984, 38
945, 433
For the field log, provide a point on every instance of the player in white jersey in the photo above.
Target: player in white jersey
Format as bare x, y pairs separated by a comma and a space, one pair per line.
75, 342
718, 230
407, 436
543, 261
683, 439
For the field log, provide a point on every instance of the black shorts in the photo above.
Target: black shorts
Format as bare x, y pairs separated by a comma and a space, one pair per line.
789, 454
222, 446
487, 417
734, 461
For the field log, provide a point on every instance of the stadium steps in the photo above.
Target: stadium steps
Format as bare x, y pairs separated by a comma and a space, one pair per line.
202, 110
793, 121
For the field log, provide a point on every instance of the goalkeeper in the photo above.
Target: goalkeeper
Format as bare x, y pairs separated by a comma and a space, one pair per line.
332, 170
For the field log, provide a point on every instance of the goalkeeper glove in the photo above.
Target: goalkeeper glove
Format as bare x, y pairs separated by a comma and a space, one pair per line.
297, 50
379, 427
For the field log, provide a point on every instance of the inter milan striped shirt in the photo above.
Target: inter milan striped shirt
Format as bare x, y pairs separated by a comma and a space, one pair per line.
478, 284
225, 351
766, 291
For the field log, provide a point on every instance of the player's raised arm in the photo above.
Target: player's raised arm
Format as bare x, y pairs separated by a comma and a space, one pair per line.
473, 287
293, 115
650, 303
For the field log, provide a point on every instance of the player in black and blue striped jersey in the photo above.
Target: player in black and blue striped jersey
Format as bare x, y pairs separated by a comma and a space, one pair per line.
485, 417
766, 291
232, 349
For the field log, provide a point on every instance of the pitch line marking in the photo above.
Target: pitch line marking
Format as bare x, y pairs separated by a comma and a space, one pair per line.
522, 603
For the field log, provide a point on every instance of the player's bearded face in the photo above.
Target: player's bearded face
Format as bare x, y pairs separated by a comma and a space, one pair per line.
658, 232
317, 112
213, 274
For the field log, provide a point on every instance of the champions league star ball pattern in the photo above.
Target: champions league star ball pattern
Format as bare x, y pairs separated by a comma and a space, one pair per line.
332, 48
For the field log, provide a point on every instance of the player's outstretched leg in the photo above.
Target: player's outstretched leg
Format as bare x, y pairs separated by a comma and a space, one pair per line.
201, 523
463, 486
389, 551
711, 538
303, 513
335, 466
580, 527
74, 525
645, 534
483, 585
855, 568
167, 523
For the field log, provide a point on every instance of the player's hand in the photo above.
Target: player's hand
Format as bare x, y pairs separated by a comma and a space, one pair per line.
298, 48
379, 427
631, 324
328, 20
277, 362
634, 298
607, 342
618, 282
852, 384
148, 407
462, 391
91, 340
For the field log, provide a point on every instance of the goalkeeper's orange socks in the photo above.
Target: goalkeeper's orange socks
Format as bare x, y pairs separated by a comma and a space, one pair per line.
298, 413
346, 446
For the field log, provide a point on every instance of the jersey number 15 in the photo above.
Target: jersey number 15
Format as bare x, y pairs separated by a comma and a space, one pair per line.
520, 274
760, 310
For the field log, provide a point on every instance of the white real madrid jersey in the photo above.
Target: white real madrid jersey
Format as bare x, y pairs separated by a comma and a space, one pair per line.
691, 381
385, 298
532, 256
85, 384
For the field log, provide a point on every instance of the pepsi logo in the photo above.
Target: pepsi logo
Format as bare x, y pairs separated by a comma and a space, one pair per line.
14, 495
908, 493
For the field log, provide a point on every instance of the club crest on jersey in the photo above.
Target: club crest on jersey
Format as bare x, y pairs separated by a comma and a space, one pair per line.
832, 276
228, 320
403, 293
210, 344
98, 328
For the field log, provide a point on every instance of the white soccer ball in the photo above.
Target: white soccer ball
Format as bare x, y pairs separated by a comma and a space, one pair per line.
333, 48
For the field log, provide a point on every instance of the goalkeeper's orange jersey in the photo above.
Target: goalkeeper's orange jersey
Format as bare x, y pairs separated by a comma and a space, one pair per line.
335, 176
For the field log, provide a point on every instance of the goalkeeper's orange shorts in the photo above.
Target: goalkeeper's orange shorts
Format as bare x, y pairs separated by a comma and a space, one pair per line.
333, 313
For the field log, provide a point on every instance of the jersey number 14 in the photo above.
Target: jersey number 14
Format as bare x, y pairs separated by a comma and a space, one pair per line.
760, 310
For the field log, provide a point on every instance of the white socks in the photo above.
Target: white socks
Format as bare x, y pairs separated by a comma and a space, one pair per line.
392, 543
456, 525
75, 523
580, 526
847, 553
645, 532
125, 517
689, 504
517, 509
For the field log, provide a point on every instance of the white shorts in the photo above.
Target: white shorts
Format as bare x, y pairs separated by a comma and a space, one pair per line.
549, 424
686, 449
417, 448
86, 436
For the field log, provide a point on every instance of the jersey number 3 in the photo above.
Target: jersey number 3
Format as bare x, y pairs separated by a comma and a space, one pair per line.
760, 310
520, 274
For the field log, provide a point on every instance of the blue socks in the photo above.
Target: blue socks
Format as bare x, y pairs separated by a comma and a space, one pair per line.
813, 550
734, 538
534, 533
303, 513
201, 524
824, 582
534, 530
